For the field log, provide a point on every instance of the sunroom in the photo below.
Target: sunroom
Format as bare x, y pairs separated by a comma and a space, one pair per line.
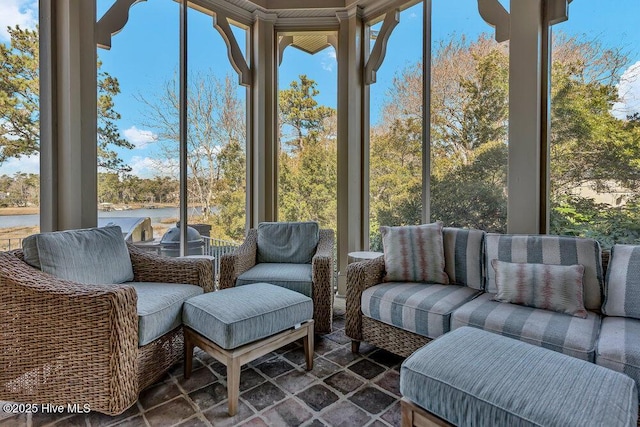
201, 127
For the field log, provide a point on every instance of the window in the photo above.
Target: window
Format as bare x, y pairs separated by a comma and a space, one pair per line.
307, 163
19, 128
595, 123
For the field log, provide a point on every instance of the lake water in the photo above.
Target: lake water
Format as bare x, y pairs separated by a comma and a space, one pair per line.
156, 216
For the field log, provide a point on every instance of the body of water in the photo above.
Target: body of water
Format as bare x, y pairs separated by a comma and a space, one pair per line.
156, 215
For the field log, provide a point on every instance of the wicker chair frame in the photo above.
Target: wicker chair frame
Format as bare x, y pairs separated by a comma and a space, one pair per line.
244, 257
64, 342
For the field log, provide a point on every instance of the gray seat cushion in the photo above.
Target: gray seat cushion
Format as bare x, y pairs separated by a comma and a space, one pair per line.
560, 332
416, 307
289, 242
297, 277
474, 377
92, 256
619, 346
237, 316
160, 307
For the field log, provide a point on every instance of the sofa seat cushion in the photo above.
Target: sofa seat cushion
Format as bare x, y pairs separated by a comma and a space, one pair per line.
296, 277
96, 256
619, 346
566, 334
237, 316
160, 307
472, 377
424, 309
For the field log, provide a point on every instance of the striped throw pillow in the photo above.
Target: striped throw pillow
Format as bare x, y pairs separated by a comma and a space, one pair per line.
622, 287
550, 287
414, 253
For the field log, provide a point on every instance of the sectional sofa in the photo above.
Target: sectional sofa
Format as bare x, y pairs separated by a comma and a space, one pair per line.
552, 275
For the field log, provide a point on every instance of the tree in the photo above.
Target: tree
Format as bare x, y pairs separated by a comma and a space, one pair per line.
216, 140
307, 185
19, 104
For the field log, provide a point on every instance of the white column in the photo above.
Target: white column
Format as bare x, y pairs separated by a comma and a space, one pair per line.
263, 156
68, 104
352, 168
525, 59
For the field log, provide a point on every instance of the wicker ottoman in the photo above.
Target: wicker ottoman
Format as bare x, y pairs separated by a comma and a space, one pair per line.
238, 325
476, 378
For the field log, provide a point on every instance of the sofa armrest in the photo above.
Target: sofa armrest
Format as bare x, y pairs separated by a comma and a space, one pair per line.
148, 267
241, 260
322, 278
360, 276
64, 342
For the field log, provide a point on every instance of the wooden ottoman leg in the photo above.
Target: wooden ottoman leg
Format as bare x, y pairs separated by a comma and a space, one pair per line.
355, 346
233, 384
308, 346
188, 353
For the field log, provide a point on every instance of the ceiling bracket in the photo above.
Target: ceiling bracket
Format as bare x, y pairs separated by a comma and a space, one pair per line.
391, 19
237, 59
113, 21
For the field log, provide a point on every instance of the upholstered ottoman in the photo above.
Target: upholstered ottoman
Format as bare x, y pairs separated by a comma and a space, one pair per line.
472, 377
238, 325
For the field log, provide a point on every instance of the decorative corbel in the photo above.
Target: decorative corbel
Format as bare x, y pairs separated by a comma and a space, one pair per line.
497, 16
391, 19
113, 21
283, 43
557, 11
237, 59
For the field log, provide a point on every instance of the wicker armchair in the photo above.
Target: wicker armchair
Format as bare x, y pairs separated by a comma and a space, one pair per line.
244, 258
64, 342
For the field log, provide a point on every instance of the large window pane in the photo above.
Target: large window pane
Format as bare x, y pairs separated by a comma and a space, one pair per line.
307, 170
138, 186
395, 177
469, 119
19, 123
595, 123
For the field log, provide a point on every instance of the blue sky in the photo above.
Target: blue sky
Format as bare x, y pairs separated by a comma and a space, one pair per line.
145, 55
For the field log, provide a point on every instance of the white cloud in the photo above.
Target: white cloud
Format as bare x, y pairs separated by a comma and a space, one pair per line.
26, 164
329, 61
17, 12
139, 137
146, 167
629, 93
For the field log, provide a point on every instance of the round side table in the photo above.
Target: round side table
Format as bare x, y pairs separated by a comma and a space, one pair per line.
363, 255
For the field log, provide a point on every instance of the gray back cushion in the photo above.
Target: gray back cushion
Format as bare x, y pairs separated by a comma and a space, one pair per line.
463, 252
287, 242
90, 256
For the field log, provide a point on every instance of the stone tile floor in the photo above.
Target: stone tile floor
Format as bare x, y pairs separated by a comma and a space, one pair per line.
343, 389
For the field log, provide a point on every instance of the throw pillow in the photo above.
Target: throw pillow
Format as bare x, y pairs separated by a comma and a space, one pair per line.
414, 253
550, 287
622, 284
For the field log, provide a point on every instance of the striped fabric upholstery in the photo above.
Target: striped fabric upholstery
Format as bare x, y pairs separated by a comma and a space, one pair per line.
416, 307
622, 287
160, 307
297, 277
463, 252
570, 335
457, 377
558, 250
619, 346
414, 253
236, 316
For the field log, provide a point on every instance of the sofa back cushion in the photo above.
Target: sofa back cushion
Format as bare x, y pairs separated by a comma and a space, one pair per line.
540, 249
622, 284
287, 242
90, 256
463, 256
414, 253
546, 286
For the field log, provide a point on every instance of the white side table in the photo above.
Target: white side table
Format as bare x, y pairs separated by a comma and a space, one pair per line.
363, 255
